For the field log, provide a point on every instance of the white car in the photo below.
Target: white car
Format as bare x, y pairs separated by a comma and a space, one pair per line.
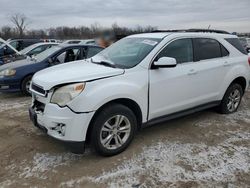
139, 81
83, 41
37, 48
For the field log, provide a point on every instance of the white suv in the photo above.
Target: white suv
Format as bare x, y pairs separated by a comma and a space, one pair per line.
139, 81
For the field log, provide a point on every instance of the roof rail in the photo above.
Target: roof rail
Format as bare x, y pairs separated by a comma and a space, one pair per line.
194, 30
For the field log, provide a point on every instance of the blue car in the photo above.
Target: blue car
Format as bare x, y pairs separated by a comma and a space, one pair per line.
16, 76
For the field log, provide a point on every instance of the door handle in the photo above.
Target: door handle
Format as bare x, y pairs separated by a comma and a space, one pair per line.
226, 64
192, 72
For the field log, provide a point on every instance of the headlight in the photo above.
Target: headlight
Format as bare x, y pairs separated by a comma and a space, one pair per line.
8, 72
63, 95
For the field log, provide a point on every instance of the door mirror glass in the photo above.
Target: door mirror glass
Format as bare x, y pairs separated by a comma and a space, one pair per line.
165, 62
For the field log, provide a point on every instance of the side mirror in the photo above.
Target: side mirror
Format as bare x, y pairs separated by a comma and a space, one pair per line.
165, 62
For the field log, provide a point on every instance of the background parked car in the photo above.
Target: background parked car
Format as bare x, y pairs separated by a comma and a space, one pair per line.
29, 51
72, 41
244, 43
19, 44
37, 48
89, 41
5, 45
16, 76
248, 45
79, 41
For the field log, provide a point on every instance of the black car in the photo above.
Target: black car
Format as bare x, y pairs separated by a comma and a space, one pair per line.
16, 76
18, 44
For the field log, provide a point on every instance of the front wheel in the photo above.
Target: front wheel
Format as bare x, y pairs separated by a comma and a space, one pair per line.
25, 87
232, 98
113, 129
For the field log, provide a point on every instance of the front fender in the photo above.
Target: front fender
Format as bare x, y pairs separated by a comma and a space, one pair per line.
100, 92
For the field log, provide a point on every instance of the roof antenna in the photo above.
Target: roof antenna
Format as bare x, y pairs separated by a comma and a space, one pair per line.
209, 26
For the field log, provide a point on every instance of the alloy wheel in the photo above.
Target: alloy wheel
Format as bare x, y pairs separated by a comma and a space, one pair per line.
234, 100
27, 86
115, 132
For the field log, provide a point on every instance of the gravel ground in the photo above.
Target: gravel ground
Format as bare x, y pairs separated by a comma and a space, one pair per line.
205, 149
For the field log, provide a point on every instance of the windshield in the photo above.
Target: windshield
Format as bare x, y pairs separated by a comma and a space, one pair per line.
128, 52
47, 53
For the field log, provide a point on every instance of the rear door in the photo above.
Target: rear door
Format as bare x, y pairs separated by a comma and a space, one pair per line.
194, 81
212, 63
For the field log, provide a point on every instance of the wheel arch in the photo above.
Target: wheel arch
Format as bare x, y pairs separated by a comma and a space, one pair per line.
241, 81
131, 104
27, 75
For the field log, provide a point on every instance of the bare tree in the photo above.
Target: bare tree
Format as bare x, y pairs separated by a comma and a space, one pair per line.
6, 32
20, 21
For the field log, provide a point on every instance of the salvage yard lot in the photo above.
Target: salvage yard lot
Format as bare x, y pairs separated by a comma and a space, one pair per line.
203, 149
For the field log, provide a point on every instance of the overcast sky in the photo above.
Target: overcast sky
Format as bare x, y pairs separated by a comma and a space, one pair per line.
231, 15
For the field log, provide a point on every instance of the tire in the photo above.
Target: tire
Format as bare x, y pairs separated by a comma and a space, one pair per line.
113, 129
232, 99
25, 83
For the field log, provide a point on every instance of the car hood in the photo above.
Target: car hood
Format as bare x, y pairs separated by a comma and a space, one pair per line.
16, 64
78, 71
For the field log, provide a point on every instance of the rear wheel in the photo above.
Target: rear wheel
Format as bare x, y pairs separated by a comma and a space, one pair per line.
26, 85
232, 98
113, 130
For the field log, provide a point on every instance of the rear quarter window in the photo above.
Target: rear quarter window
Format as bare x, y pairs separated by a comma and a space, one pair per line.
236, 43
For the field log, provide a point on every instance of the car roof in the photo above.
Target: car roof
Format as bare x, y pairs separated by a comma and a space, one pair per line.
150, 35
43, 43
161, 35
64, 45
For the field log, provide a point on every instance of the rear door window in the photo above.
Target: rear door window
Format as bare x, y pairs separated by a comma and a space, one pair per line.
68, 55
236, 43
181, 50
206, 49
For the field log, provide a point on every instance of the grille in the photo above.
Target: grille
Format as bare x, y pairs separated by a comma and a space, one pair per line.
38, 89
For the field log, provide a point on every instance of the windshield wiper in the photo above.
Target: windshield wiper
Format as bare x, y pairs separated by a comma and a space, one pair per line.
105, 63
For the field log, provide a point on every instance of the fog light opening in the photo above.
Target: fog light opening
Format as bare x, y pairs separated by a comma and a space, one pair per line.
60, 128
4, 87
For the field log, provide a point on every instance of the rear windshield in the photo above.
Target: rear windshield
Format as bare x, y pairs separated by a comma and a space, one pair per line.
236, 43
